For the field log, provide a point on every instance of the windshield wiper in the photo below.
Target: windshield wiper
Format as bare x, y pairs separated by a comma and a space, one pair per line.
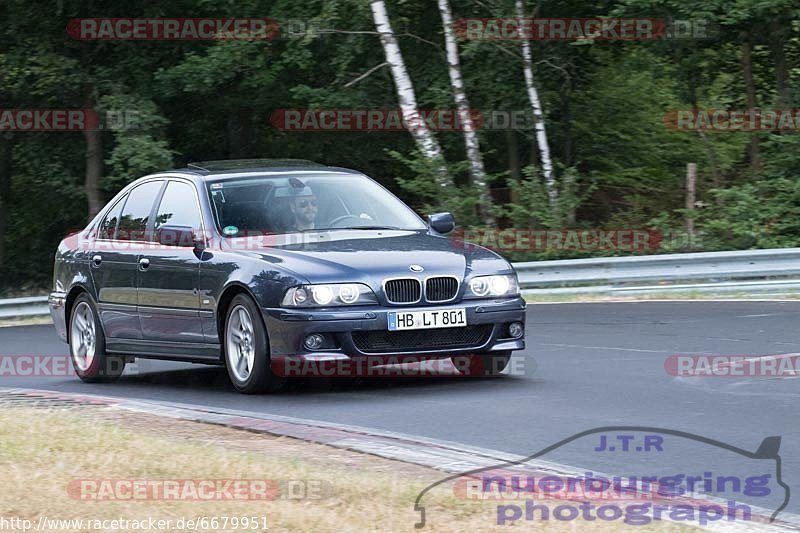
372, 227
353, 228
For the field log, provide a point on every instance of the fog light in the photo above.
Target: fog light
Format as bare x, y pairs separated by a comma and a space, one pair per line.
516, 329
314, 341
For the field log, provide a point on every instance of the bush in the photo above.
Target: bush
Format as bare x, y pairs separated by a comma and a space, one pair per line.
761, 214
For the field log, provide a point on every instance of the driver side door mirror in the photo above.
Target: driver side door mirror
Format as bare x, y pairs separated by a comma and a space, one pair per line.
183, 236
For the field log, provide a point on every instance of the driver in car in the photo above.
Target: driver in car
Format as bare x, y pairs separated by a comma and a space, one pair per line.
304, 209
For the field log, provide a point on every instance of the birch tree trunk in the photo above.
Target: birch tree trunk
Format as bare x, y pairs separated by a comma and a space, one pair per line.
423, 137
477, 170
538, 117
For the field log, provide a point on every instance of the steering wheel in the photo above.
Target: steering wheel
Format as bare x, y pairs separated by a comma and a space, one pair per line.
334, 223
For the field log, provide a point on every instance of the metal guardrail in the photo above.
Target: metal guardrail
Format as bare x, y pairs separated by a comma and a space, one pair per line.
24, 307
749, 271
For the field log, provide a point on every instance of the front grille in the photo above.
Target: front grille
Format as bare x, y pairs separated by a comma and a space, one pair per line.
403, 291
379, 341
441, 289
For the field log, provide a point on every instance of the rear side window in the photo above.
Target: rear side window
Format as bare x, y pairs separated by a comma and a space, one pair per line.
178, 207
109, 224
136, 213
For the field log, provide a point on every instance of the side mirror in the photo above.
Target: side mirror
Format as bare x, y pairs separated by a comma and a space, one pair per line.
183, 236
442, 222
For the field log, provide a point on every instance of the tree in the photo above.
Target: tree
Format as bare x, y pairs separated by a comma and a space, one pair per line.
424, 138
538, 115
477, 171
5, 189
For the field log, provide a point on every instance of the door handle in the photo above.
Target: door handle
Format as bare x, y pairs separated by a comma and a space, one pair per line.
144, 263
96, 260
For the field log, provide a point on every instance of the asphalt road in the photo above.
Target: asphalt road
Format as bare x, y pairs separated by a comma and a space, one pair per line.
587, 365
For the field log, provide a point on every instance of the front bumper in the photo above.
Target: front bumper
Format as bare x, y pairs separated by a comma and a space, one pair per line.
287, 328
57, 303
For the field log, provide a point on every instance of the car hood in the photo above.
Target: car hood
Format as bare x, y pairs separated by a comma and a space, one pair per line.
371, 255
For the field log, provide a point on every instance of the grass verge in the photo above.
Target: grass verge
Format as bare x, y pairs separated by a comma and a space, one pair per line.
45, 453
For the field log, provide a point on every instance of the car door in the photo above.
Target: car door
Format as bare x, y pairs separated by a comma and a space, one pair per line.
114, 260
169, 275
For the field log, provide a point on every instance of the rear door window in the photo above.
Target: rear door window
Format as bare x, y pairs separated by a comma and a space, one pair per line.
133, 225
108, 227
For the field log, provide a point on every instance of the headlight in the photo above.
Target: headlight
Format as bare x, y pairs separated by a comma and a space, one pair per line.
331, 294
322, 294
492, 286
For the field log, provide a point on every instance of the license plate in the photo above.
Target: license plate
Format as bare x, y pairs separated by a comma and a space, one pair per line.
441, 318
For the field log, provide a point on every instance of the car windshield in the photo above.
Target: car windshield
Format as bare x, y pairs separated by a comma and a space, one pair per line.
289, 204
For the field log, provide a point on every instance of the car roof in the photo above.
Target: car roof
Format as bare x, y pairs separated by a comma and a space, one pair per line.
238, 168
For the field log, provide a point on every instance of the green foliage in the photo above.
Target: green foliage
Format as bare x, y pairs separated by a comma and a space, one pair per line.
532, 207
762, 214
426, 197
139, 147
46, 202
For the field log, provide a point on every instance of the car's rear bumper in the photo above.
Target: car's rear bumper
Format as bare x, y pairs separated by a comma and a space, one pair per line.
352, 333
57, 303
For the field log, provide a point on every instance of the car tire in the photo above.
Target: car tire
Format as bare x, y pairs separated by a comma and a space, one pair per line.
246, 348
87, 345
482, 365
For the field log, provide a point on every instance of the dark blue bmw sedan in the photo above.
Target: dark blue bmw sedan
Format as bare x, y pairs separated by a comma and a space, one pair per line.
267, 266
